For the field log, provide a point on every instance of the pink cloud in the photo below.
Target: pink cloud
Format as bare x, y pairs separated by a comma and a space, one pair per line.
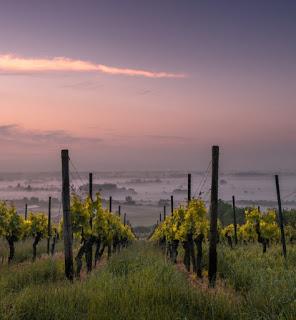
13, 63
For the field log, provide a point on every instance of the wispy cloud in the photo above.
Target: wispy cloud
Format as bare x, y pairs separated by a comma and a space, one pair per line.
13, 133
168, 138
144, 92
15, 64
85, 85
155, 138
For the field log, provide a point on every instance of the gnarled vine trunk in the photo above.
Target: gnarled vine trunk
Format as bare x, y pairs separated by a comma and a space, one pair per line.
99, 251
169, 250
198, 242
78, 259
10, 241
109, 250
85, 249
88, 252
175, 244
229, 240
54, 240
35, 243
186, 258
189, 253
192, 252
261, 240
162, 244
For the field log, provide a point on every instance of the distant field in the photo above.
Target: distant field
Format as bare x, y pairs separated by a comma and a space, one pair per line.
142, 215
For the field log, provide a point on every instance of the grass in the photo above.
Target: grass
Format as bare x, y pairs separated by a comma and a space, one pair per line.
135, 284
24, 251
266, 281
139, 284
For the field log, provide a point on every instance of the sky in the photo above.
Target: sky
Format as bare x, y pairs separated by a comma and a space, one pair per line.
148, 85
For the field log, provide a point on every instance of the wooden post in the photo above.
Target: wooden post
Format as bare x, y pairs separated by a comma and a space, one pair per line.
49, 226
160, 217
90, 193
119, 211
172, 204
110, 204
214, 215
234, 220
124, 219
164, 212
26, 211
280, 216
189, 189
90, 185
67, 216
89, 253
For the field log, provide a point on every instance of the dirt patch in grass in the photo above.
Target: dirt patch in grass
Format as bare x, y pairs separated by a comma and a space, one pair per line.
202, 284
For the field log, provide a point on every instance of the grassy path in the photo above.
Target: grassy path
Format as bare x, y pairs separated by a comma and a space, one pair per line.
135, 284
139, 284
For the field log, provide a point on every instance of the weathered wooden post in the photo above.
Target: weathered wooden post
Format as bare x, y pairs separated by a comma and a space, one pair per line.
164, 212
119, 211
90, 185
49, 226
189, 189
172, 204
110, 204
26, 211
67, 225
90, 193
234, 219
110, 210
214, 215
280, 216
160, 217
124, 219
89, 251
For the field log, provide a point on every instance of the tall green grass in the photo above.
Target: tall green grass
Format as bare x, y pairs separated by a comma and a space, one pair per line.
138, 283
135, 284
266, 281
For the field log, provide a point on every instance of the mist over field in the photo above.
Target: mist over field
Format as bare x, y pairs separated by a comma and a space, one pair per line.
149, 191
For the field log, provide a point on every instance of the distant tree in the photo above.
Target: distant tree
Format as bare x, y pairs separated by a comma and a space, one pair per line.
225, 213
129, 200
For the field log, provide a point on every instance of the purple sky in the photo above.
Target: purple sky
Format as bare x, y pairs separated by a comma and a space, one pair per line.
199, 73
